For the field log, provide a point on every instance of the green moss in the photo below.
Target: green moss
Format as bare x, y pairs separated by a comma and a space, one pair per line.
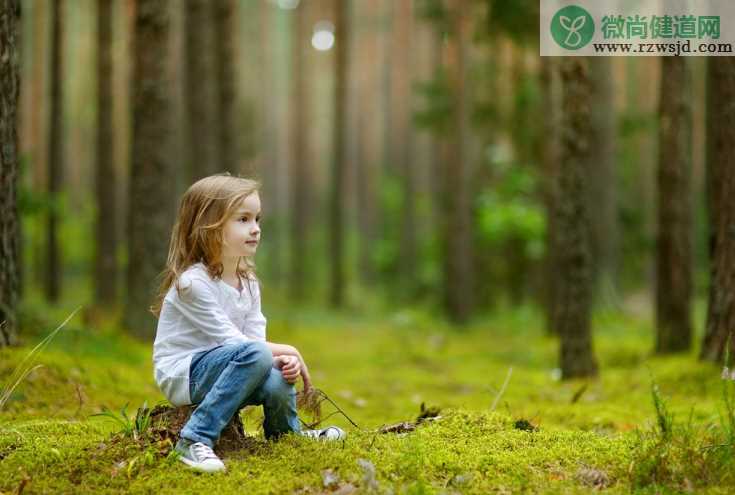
380, 374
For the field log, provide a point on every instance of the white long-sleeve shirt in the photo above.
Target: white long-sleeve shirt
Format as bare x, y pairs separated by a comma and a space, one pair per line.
205, 314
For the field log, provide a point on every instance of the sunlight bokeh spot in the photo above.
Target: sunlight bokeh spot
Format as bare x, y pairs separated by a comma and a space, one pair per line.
323, 37
288, 4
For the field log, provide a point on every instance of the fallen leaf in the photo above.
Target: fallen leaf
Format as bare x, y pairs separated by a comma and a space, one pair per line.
330, 479
368, 469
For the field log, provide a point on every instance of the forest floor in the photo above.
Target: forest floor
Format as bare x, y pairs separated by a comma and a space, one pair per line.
544, 435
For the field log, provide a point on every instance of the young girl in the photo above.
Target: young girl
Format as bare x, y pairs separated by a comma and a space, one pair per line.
210, 346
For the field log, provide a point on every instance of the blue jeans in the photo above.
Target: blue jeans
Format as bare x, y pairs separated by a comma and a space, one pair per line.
227, 378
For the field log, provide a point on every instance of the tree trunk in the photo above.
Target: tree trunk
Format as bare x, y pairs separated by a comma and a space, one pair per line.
56, 153
9, 170
674, 252
550, 172
457, 235
269, 166
369, 132
150, 215
300, 176
601, 178
200, 90
402, 140
572, 317
336, 228
21, 149
721, 190
106, 227
39, 135
225, 16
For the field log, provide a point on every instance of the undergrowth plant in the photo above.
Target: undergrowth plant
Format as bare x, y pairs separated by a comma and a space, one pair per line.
134, 427
727, 415
688, 455
664, 418
26, 365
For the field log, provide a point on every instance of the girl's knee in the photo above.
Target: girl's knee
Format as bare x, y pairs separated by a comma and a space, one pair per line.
276, 387
258, 353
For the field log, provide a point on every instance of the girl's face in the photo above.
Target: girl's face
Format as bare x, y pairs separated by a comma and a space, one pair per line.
241, 231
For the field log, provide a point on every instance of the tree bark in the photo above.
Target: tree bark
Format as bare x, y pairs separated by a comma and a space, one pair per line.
369, 132
601, 177
56, 153
721, 190
299, 160
9, 170
402, 140
457, 235
39, 134
200, 90
106, 225
336, 204
550, 171
674, 252
225, 16
572, 317
150, 215
269, 166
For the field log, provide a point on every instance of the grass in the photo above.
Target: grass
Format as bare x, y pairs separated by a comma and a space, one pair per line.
499, 431
25, 367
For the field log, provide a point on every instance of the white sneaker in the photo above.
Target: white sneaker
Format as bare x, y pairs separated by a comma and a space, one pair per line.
198, 456
328, 433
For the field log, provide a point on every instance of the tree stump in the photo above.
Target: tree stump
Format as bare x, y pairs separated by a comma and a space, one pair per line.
167, 421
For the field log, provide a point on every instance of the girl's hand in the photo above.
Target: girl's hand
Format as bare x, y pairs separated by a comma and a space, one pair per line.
305, 376
290, 367
284, 350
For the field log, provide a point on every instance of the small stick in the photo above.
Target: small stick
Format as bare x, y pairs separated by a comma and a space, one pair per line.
81, 400
502, 389
339, 409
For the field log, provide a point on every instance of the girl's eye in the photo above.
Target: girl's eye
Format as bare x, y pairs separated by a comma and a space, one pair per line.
244, 219
257, 219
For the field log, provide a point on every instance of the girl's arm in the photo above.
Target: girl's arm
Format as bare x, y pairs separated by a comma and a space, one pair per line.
289, 350
198, 305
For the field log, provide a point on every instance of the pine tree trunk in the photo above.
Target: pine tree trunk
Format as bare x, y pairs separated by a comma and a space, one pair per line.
21, 149
106, 226
150, 214
402, 140
550, 171
56, 153
601, 178
299, 160
674, 252
268, 168
39, 135
572, 316
200, 90
721, 190
457, 235
436, 164
369, 134
225, 16
336, 228
9, 170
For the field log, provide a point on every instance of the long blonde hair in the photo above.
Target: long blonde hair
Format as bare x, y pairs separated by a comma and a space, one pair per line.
197, 234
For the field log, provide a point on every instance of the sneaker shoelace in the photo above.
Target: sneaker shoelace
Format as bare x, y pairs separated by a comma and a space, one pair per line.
203, 452
311, 433
319, 433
